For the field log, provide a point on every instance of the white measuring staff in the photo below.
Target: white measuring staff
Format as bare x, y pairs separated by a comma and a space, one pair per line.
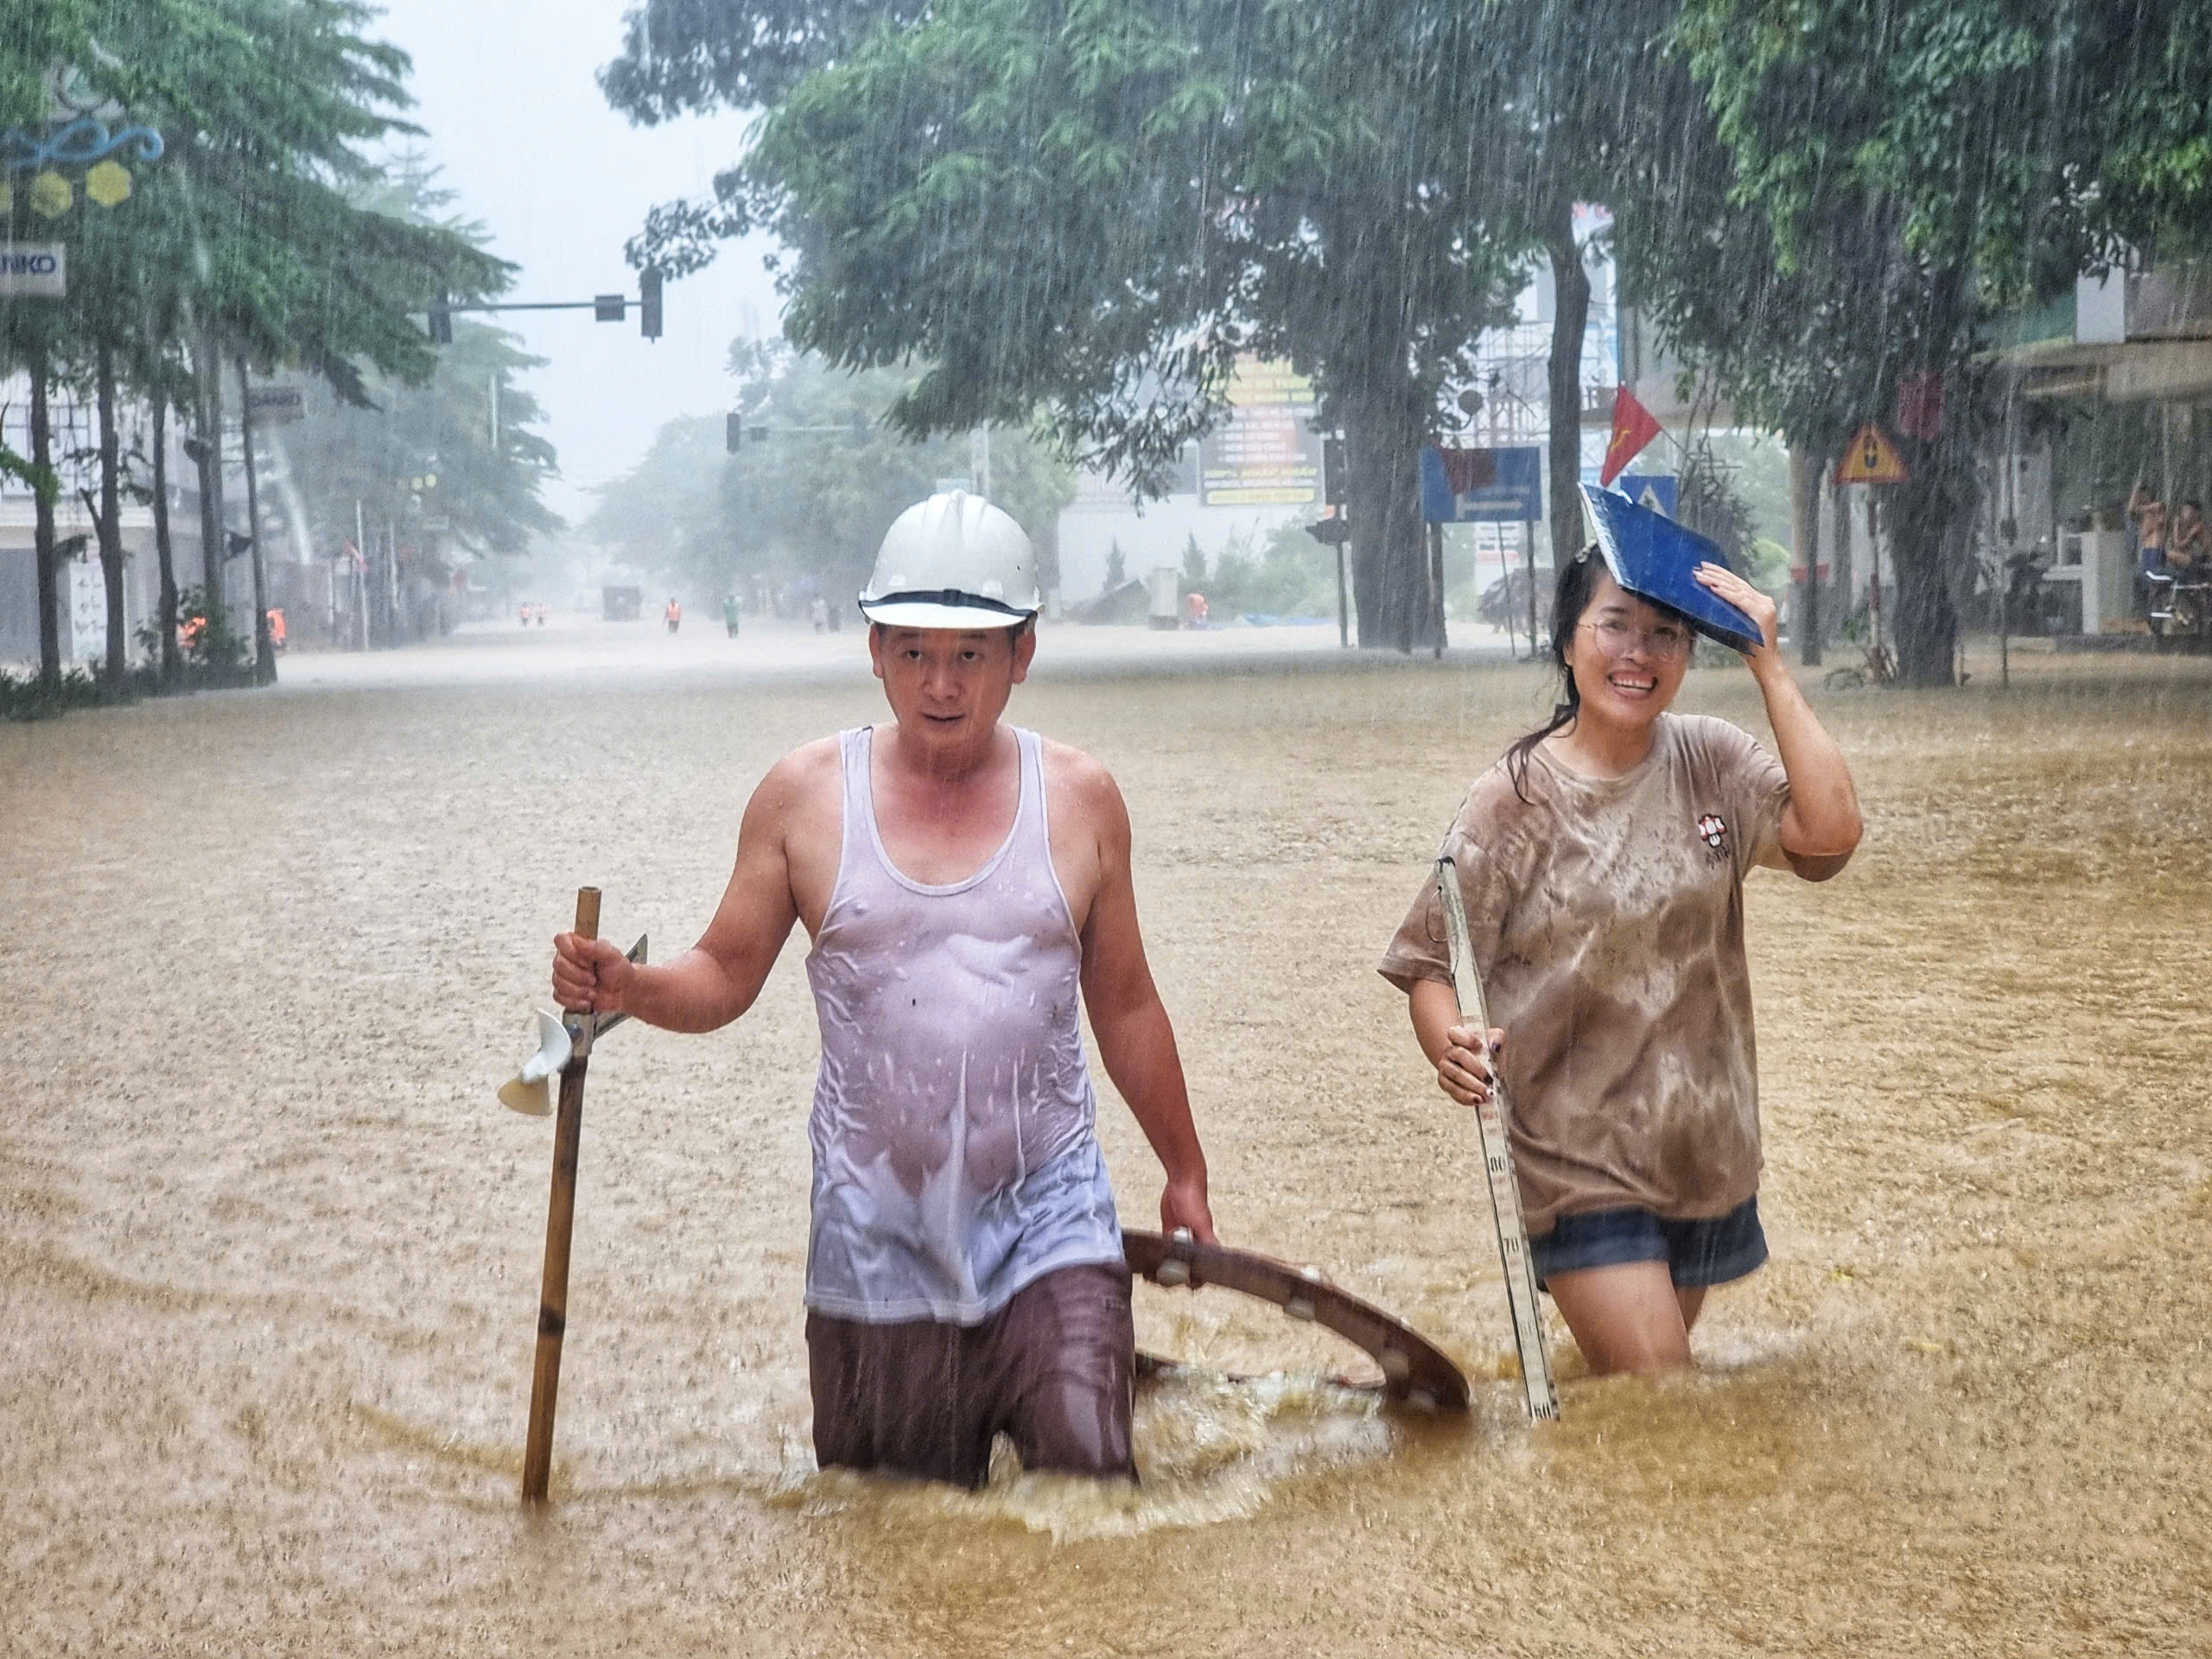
1497, 1158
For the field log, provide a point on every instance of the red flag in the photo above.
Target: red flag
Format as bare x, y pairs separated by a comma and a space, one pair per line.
1633, 428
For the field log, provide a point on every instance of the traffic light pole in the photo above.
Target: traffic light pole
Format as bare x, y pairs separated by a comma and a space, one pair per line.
736, 434
607, 308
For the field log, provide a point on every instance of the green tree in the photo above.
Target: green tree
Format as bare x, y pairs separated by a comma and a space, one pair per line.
812, 494
244, 240
1082, 215
283, 102
1894, 183
1574, 104
670, 517
1284, 573
468, 423
1194, 563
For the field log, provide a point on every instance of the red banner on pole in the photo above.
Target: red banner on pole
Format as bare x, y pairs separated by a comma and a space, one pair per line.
1633, 428
1920, 407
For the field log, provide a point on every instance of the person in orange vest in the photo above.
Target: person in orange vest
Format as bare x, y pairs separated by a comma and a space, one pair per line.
275, 629
675, 613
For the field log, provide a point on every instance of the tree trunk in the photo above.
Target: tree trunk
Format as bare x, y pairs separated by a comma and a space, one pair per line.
1843, 582
108, 522
1805, 551
1928, 521
209, 459
1570, 317
1921, 624
264, 648
1383, 432
172, 659
48, 560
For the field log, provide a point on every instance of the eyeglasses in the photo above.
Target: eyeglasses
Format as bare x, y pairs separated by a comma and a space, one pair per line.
1665, 644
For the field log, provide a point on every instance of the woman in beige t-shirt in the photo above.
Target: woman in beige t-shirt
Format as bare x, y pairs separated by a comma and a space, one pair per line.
1602, 863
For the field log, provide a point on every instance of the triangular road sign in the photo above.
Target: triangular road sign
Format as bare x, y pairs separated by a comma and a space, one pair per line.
1871, 458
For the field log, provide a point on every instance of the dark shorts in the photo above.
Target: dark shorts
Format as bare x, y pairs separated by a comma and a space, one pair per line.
1053, 1369
1696, 1253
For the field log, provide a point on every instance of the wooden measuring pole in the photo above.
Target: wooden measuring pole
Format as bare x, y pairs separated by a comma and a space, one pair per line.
1539, 1392
560, 1220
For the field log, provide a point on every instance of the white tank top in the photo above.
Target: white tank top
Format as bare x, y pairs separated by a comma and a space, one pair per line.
955, 1157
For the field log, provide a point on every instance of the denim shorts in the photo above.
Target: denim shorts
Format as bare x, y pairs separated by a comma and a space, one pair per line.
1696, 1253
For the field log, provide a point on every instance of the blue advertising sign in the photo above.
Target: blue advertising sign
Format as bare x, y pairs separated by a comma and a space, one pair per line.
1657, 491
1482, 486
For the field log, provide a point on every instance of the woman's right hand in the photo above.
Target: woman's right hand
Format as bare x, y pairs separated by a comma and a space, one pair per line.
1465, 1070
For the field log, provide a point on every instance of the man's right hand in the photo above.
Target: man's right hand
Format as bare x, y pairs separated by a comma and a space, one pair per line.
589, 976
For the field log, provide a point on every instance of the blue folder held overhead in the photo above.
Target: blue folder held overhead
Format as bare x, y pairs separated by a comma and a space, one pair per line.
1654, 558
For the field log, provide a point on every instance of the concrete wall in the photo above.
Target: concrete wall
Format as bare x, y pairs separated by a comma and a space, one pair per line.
84, 597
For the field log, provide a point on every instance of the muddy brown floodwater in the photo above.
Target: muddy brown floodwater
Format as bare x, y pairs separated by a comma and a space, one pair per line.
269, 1248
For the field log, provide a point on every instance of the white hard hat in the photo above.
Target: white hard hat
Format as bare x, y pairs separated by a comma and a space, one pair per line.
954, 561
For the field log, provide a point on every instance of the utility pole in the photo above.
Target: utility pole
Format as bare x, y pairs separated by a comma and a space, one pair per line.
213, 537
264, 652
356, 580
46, 557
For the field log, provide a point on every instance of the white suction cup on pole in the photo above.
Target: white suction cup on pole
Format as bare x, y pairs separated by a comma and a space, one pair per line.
530, 1090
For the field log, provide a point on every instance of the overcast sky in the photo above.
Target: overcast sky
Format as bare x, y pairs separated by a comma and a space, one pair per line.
517, 121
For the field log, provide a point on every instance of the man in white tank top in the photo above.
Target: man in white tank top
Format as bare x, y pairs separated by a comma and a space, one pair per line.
964, 883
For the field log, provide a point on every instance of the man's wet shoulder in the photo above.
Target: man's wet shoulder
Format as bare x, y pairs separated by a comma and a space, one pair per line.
802, 776
1075, 773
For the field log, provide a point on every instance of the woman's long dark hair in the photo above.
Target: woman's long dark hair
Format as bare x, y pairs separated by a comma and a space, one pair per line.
1576, 583
1577, 577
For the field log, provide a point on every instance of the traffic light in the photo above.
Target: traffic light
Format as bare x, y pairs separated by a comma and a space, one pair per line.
441, 320
609, 307
649, 303
1333, 478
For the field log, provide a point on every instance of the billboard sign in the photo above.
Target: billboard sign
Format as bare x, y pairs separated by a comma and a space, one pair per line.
1482, 486
33, 270
276, 405
1267, 452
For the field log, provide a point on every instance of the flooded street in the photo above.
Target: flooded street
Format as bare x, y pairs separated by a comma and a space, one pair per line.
269, 1248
